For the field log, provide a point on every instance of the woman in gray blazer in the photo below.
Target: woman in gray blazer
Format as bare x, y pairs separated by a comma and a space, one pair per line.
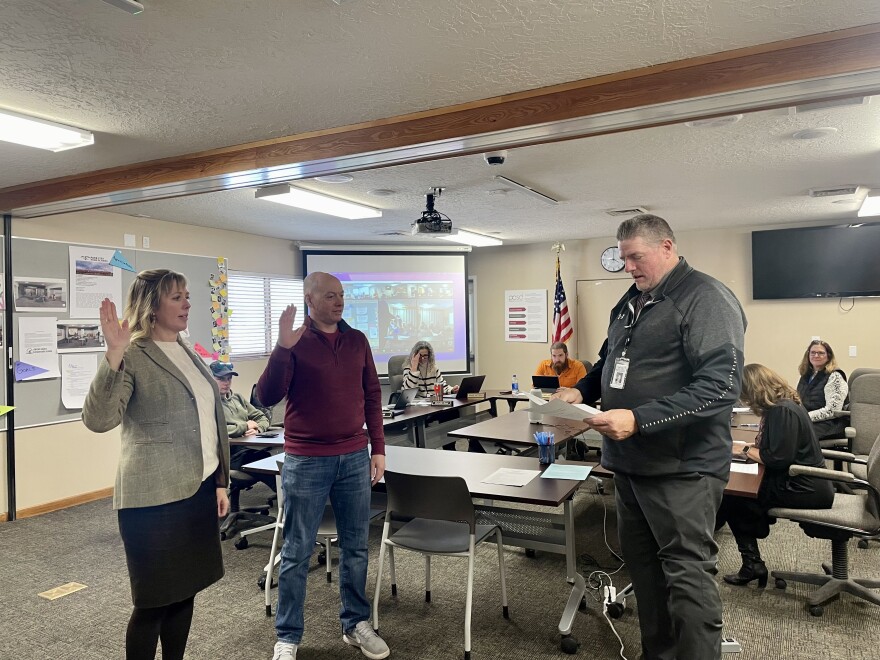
174, 461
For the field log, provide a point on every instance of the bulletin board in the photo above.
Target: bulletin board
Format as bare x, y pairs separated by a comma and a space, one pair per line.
39, 402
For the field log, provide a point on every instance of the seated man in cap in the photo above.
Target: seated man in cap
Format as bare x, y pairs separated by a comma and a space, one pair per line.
242, 419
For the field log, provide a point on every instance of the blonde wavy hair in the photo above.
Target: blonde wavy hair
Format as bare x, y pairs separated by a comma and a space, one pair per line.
144, 296
807, 368
762, 388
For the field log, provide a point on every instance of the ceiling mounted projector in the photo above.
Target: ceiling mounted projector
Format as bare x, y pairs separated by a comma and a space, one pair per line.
432, 221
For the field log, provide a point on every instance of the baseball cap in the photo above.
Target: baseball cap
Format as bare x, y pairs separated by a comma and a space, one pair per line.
221, 369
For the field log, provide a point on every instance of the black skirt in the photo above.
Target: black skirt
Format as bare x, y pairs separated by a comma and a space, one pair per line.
172, 550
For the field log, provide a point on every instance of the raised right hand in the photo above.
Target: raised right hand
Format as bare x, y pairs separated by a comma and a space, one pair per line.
288, 336
414, 363
116, 336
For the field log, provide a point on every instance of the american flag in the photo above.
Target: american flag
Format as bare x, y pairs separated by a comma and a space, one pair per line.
561, 321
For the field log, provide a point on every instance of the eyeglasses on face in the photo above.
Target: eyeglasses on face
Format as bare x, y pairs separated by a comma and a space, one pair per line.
818, 353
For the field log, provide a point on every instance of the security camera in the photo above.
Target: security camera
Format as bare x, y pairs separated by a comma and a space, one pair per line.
495, 157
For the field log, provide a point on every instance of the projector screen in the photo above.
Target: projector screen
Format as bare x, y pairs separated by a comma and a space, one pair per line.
397, 299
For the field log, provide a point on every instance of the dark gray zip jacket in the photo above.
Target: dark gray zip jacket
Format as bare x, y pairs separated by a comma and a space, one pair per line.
685, 355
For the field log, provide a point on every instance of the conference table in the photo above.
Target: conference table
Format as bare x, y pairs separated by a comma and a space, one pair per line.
526, 528
515, 429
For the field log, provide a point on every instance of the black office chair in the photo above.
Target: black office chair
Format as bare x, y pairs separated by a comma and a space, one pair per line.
252, 518
396, 363
274, 413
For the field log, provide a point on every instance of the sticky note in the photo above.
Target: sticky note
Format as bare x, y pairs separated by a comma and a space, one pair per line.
201, 350
23, 370
5, 409
120, 261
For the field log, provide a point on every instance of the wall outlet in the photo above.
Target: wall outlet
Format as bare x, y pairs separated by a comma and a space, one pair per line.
852, 351
146, 241
130, 240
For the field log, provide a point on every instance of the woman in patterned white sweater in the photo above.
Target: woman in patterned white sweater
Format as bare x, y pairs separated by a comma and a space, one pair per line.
823, 390
422, 371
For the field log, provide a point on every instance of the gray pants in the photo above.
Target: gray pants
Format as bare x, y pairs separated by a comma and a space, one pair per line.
665, 526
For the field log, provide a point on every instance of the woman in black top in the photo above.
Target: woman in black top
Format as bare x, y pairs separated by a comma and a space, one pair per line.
785, 438
823, 390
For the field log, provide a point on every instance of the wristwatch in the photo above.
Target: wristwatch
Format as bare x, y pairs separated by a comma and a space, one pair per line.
745, 450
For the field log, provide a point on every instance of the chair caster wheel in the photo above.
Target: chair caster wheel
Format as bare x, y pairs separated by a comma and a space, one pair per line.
530, 553
781, 584
615, 610
261, 583
816, 610
583, 605
241, 543
322, 557
569, 644
863, 544
223, 536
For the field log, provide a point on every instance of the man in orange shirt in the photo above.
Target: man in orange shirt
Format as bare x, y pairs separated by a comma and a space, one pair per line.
569, 370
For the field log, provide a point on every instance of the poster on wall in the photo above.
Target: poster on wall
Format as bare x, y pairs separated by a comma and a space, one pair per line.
79, 336
39, 294
37, 348
93, 277
525, 315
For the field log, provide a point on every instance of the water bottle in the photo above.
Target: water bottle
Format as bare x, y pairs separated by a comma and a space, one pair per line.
514, 385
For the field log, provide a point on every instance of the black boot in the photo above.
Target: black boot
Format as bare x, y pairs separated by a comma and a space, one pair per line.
753, 567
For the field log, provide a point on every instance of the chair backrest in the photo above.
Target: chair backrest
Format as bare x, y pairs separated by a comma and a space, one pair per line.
436, 498
860, 372
874, 476
396, 363
864, 406
587, 365
274, 413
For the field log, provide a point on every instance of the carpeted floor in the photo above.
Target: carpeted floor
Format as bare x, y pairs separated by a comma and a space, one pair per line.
81, 544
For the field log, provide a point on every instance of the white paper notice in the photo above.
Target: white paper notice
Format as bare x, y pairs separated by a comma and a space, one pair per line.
92, 278
37, 345
559, 408
511, 477
77, 372
745, 468
525, 315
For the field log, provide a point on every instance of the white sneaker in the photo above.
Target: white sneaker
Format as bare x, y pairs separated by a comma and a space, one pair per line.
364, 637
284, 651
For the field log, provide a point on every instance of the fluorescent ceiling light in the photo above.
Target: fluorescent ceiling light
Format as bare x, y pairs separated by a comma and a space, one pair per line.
42, 134
470, 238
871, 205
312, 201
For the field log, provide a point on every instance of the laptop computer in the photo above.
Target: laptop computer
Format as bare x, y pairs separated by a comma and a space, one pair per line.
469, 385
547, 384
404, 398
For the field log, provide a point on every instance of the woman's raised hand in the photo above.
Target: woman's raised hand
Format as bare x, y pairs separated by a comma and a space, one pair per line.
288, 336
414, 363
117, 336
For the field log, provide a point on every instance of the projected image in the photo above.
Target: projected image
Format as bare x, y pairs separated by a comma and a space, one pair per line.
394, 315
397, 299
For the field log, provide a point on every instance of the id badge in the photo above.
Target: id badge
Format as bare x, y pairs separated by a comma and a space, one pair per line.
618, 378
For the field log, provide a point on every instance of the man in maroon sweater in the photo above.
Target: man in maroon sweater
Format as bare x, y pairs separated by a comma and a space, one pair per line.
326, 370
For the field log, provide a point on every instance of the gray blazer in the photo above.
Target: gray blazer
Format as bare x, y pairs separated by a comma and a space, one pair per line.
161, 457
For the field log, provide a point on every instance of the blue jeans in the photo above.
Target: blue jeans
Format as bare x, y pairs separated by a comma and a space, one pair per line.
308, 481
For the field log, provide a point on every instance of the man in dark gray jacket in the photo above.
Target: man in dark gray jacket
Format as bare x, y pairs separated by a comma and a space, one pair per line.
668, 376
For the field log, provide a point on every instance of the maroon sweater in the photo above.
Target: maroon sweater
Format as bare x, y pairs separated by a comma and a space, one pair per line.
331, 391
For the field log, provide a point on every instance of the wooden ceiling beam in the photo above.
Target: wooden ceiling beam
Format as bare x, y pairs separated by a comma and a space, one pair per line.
815, 56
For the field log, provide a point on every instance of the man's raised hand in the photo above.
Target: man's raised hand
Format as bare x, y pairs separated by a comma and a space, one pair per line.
288, 336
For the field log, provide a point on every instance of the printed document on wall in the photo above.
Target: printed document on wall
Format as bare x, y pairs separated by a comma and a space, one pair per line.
77, 372
37, 348
92, 278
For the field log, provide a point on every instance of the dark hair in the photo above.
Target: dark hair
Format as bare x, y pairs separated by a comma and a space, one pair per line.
652, 228
762, 388
559, 345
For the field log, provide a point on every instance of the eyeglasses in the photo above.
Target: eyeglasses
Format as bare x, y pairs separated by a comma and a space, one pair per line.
818, 353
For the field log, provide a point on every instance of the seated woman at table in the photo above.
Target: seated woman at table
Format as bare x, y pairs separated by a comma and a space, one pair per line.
785, 438
422, 371
824, 391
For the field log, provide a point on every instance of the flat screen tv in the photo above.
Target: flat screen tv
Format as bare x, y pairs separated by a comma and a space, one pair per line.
839, 261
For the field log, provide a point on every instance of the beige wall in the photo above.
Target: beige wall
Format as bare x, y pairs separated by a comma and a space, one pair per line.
778, 332
66, 460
